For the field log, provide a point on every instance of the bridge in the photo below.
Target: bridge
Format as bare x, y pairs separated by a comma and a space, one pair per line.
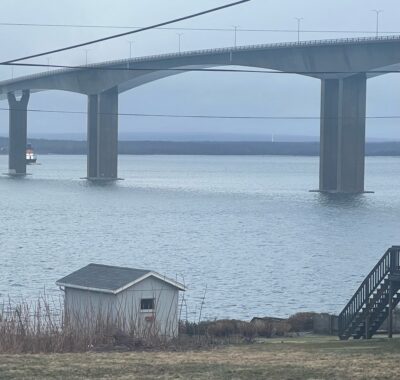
342, 65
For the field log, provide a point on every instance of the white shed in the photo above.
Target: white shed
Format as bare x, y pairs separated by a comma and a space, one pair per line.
136, 301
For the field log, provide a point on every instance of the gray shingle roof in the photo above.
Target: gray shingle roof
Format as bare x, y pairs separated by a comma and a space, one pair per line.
102, 277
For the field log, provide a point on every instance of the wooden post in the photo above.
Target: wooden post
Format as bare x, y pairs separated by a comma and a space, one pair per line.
390, 320
367, 310
367, 326
393, 260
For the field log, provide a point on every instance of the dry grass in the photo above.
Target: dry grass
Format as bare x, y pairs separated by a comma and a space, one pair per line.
311, 358
42, 326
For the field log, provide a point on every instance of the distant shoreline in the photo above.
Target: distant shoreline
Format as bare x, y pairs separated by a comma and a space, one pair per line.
212, 148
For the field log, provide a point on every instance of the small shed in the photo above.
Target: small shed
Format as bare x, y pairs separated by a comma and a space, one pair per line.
136, 301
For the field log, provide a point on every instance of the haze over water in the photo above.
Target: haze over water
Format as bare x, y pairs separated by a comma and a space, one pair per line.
244, 228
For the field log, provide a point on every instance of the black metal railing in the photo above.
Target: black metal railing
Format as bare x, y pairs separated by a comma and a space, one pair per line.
388, 264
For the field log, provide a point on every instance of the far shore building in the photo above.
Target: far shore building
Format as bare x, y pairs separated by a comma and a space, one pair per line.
135, 301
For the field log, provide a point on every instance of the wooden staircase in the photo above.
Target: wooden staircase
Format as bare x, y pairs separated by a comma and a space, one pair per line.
374, 301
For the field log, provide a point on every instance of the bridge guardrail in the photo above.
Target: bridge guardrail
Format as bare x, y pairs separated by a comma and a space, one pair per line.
231, 49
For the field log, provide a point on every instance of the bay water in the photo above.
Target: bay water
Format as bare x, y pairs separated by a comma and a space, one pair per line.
243, 233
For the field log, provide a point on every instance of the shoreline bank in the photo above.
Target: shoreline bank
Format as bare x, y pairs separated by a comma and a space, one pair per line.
212, 148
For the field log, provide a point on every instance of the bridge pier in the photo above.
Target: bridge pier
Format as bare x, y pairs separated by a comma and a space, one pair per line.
342, 155
329, 135
102, 136
18, 119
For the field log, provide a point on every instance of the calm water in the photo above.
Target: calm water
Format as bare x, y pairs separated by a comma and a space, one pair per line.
244, 231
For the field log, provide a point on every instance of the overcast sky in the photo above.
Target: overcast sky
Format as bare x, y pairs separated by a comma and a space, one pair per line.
195, 93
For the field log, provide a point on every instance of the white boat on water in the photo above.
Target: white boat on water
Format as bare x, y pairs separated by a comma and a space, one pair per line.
31, 157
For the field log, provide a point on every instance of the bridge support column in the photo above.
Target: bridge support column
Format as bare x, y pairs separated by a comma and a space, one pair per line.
351, 149
343, 112
92, 115
102, 156
329, 135
18, 126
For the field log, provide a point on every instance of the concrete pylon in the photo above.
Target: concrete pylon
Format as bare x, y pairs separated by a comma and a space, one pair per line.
18, 127
351, 147
343, 114
92, 133
329, 135
102, 135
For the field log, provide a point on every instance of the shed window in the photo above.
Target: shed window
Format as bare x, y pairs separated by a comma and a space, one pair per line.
147, 304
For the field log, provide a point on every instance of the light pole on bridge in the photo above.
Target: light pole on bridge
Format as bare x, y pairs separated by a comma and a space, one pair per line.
179, 41
378, 12
299, 20
130, 49
86, 55
130, 53
235, 29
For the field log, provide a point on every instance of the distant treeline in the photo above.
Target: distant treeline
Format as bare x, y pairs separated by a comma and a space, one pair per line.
42, 146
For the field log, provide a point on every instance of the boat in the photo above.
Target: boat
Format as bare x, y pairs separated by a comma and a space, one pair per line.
31, 157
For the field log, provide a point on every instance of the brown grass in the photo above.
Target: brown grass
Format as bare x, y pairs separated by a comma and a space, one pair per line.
310, 358
41, 326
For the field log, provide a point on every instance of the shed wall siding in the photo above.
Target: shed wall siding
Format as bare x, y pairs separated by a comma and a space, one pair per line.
165, 315
85, 308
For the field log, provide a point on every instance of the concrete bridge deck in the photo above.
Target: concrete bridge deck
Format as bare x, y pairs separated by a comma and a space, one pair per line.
342, 65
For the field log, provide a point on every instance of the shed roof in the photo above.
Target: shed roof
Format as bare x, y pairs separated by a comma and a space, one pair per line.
110, 279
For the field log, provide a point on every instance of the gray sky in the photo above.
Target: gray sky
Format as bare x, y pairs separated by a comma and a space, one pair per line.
195, 93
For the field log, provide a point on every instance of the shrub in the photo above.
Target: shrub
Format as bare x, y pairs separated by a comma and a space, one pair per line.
193, 328
223, 328
271, 327
301, 322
